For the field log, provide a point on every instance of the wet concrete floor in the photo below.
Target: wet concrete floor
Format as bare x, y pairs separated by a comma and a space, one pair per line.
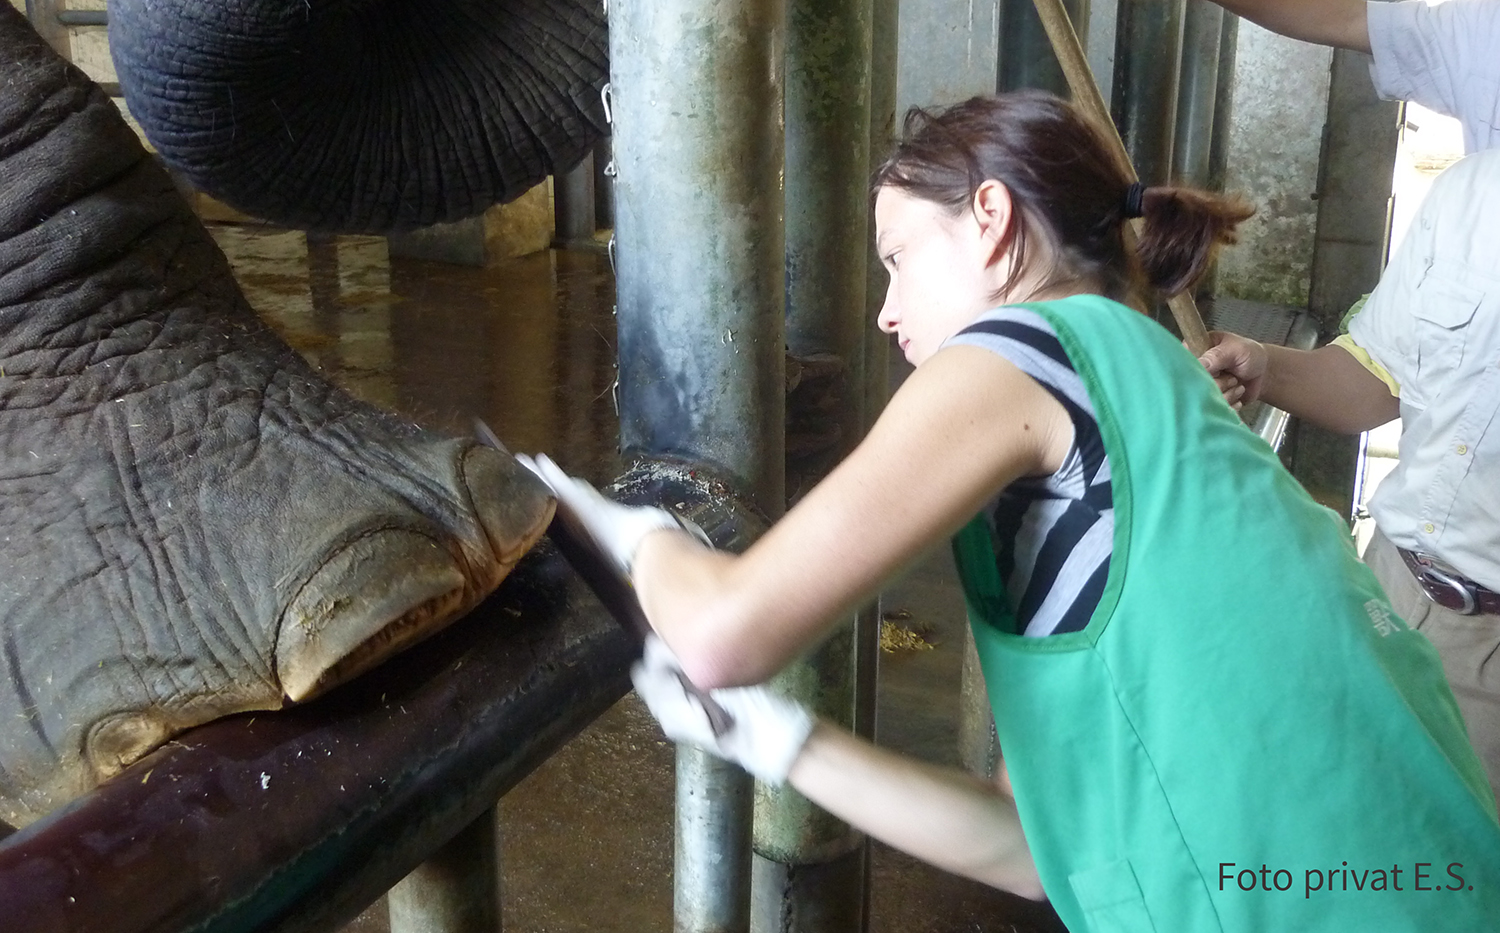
529, 347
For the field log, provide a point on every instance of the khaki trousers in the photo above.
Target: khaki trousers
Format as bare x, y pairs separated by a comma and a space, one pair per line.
1468, 645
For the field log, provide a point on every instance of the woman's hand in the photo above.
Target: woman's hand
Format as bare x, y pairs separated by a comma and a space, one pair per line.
941, 815
767, 732
617, 529
1238, 364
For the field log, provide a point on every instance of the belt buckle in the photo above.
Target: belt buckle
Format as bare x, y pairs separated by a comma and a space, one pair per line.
1455, 583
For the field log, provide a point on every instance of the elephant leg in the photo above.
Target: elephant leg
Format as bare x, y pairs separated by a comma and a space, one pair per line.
193, 521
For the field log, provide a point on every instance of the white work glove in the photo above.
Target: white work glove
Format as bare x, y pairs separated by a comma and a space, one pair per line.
765, 738
617, 529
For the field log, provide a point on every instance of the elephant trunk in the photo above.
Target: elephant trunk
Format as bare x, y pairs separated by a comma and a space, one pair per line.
364, 115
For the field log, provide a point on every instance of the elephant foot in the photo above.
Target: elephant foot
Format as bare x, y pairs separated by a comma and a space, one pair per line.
194, 523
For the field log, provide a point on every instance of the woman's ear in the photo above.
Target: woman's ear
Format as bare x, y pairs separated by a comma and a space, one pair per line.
995, 212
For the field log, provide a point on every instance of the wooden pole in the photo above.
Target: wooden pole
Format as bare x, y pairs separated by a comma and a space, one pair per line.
1086, 95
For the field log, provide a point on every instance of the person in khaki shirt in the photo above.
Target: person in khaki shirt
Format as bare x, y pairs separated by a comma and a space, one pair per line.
1425, 346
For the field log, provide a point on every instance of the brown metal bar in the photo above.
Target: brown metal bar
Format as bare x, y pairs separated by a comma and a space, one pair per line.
1086, 95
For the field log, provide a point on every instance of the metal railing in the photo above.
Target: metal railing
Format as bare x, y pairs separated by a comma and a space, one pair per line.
83, 17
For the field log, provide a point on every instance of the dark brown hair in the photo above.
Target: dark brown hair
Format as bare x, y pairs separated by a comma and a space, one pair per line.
1067, 187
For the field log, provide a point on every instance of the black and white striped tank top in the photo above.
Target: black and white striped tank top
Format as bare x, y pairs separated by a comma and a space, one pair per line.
1053, 534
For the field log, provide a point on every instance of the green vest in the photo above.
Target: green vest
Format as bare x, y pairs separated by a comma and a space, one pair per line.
1245, 737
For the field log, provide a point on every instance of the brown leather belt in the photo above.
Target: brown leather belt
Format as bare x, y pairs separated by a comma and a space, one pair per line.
1448, 589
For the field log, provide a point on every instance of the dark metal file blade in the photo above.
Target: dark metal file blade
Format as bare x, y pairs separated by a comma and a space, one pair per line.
571, 537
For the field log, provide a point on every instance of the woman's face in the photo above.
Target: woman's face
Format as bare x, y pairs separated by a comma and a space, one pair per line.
942, 269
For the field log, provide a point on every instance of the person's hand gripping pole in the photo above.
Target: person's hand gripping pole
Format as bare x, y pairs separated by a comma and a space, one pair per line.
766, 733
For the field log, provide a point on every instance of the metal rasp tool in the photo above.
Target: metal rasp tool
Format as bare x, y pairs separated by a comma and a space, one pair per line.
612, 588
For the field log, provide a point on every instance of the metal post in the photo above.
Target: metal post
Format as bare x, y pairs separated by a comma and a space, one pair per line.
1218, 154
455, 891
1148, 49
1099, 42
604, 185
883, 46
696, 94
884, 121
1197, 95
1354, 204
1218, 149
1026, 56
809, 870
44, 19
573, 204
696, 101
708, 791
83, 17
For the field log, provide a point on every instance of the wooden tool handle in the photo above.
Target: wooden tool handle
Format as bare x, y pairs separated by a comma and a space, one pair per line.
1075, 66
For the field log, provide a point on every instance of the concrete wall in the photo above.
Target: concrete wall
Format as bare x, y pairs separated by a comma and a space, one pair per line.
1280, 106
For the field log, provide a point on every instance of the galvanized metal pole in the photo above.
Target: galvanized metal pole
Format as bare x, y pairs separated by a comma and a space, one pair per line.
883, 43
1026, 56
1218, 148
1148, 49
883, 46
1197, 93
884, 128
810, 866
696, 97
1218, 152
696, 100
573, 204
45, 19
455, 891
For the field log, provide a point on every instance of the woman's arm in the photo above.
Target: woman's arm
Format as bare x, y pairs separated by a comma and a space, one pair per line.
1339, 23
963, 425
943, 816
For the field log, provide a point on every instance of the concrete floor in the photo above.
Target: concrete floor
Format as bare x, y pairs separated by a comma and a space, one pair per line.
529, 347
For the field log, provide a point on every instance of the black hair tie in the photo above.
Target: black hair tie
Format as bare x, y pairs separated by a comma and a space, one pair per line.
1135, 197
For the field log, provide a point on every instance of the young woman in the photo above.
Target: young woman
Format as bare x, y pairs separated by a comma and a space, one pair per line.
1210, 716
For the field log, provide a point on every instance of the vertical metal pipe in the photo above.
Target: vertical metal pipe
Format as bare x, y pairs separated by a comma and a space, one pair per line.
1099, 43
698, 148
457, 890
696, 94
1197, 93
44, 19
573, 203
883, 47
713, 827
1148, 48
1218, 153
1218, 148
604, 185
809, 871
1026, 56
808, 862
884, 123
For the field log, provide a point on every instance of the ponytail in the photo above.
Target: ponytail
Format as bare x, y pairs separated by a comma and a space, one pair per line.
1182, 229
1070, 190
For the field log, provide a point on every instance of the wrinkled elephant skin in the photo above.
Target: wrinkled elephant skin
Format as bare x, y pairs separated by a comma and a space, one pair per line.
194, 523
